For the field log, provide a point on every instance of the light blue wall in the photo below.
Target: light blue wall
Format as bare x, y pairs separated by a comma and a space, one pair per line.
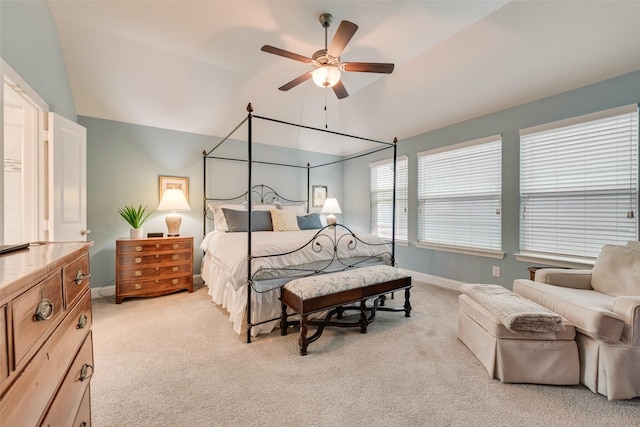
616, 92
29, 44
125, 161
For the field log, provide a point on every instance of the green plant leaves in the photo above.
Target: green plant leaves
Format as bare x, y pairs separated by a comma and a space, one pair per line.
134, 216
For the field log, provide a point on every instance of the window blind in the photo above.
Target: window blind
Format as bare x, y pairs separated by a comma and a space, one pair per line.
382, 198
578, 184
460, 194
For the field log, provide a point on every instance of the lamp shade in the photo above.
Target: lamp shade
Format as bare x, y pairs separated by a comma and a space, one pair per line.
326, 75
331, 207
173, 200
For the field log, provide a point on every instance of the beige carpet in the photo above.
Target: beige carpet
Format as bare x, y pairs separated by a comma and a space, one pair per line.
175, 361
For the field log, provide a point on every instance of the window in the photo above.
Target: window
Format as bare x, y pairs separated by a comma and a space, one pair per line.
578, 184
382, 198
459, 195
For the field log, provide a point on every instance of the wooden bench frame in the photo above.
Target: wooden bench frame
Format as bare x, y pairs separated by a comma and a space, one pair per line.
339, 302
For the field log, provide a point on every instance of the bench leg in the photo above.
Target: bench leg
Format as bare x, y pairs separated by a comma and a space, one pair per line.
303, 342
283, 320
363, 317
407, 303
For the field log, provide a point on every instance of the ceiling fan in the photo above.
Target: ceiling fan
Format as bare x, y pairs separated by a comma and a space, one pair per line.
326, 62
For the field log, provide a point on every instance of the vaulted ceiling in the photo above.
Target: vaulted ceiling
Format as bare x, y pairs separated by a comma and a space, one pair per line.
194, 66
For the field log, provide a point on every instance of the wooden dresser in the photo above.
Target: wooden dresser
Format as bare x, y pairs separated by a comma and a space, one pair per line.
153, 266
46, 349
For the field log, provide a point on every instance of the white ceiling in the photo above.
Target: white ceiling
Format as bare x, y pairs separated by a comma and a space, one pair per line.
194, 66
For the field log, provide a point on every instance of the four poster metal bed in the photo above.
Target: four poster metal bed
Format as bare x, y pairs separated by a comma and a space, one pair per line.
245, 263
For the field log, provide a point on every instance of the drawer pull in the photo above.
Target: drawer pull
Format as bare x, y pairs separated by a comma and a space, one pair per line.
85, 374
175, 281
175, 269
138, 273
175, 257
157, 246
176, 246
82, 321
44, 310
137, 286
137, 260
80, 276
138, 249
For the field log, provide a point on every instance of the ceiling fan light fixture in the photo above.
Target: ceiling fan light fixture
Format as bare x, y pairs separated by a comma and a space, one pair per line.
326, 75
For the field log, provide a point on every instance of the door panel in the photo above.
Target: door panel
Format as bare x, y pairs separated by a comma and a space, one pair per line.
68, 143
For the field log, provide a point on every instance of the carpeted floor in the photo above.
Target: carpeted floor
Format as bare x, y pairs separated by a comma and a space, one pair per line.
175, 361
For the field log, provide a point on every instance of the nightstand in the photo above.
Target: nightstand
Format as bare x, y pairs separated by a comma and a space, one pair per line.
153, 266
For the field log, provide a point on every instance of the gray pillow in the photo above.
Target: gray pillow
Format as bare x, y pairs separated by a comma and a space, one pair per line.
237, 220
309, 222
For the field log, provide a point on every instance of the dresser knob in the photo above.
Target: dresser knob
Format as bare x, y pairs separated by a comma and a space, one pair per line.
175, 281
157, 256
86, 372
176, 246
174, 269
157, 245
138, 273
80, 276
44, 310
137, 286
82, 321
175, 257
138, 248
137, 260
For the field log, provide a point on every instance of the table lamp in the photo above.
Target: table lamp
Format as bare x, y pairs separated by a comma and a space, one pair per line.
173, 200
331, 207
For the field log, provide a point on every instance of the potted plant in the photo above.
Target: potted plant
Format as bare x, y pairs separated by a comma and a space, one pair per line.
135, 217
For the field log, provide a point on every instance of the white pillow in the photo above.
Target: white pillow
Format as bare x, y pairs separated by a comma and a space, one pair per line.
284, 220
300, 208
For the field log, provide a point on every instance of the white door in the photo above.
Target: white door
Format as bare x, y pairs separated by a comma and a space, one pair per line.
68, 186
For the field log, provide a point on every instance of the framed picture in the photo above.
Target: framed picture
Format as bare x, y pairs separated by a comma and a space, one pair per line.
319, 195
179, 182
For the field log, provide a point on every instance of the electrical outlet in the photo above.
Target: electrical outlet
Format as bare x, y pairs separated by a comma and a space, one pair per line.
495, 271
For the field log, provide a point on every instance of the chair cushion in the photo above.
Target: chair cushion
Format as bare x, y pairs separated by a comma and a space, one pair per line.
617, 271
590, 311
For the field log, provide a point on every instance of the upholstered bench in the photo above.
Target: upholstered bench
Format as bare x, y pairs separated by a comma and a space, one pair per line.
515, 357
335, 291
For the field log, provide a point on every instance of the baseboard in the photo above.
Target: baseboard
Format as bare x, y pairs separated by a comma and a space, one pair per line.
110, 290
443, 282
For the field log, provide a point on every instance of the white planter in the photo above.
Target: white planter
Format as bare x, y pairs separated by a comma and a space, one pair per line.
136, 233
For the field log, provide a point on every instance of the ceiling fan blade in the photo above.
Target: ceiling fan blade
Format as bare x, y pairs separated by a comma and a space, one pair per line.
368, 67
295, 82
346, 30
285, 53
339, 90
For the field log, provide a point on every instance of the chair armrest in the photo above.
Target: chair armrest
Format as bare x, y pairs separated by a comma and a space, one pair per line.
628, 307
568, 278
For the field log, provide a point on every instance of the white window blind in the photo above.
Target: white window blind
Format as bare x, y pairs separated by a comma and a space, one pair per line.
578, 184
382, 197
459, 194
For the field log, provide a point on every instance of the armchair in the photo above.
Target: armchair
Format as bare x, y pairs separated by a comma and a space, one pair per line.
604, 305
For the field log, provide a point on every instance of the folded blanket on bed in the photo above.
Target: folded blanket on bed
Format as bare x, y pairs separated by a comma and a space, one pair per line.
517, 314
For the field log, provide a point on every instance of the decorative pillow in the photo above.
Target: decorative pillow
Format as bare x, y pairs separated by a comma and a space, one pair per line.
616, 271
219, 220
309, 222
284, 220
298, 207
237, 220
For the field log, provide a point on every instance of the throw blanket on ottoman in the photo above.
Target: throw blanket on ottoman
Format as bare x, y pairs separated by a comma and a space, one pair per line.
517, 314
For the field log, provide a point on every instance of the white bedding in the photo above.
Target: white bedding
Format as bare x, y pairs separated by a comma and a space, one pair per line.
224, 268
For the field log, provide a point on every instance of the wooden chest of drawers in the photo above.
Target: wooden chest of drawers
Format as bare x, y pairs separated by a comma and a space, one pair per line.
153, 266
46, 350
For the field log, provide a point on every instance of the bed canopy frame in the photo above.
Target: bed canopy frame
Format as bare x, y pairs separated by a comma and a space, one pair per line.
264, 192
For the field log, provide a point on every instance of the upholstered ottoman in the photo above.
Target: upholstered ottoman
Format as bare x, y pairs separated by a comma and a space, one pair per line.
549, 358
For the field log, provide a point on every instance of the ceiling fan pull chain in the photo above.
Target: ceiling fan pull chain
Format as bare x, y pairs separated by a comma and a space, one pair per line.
326, 126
